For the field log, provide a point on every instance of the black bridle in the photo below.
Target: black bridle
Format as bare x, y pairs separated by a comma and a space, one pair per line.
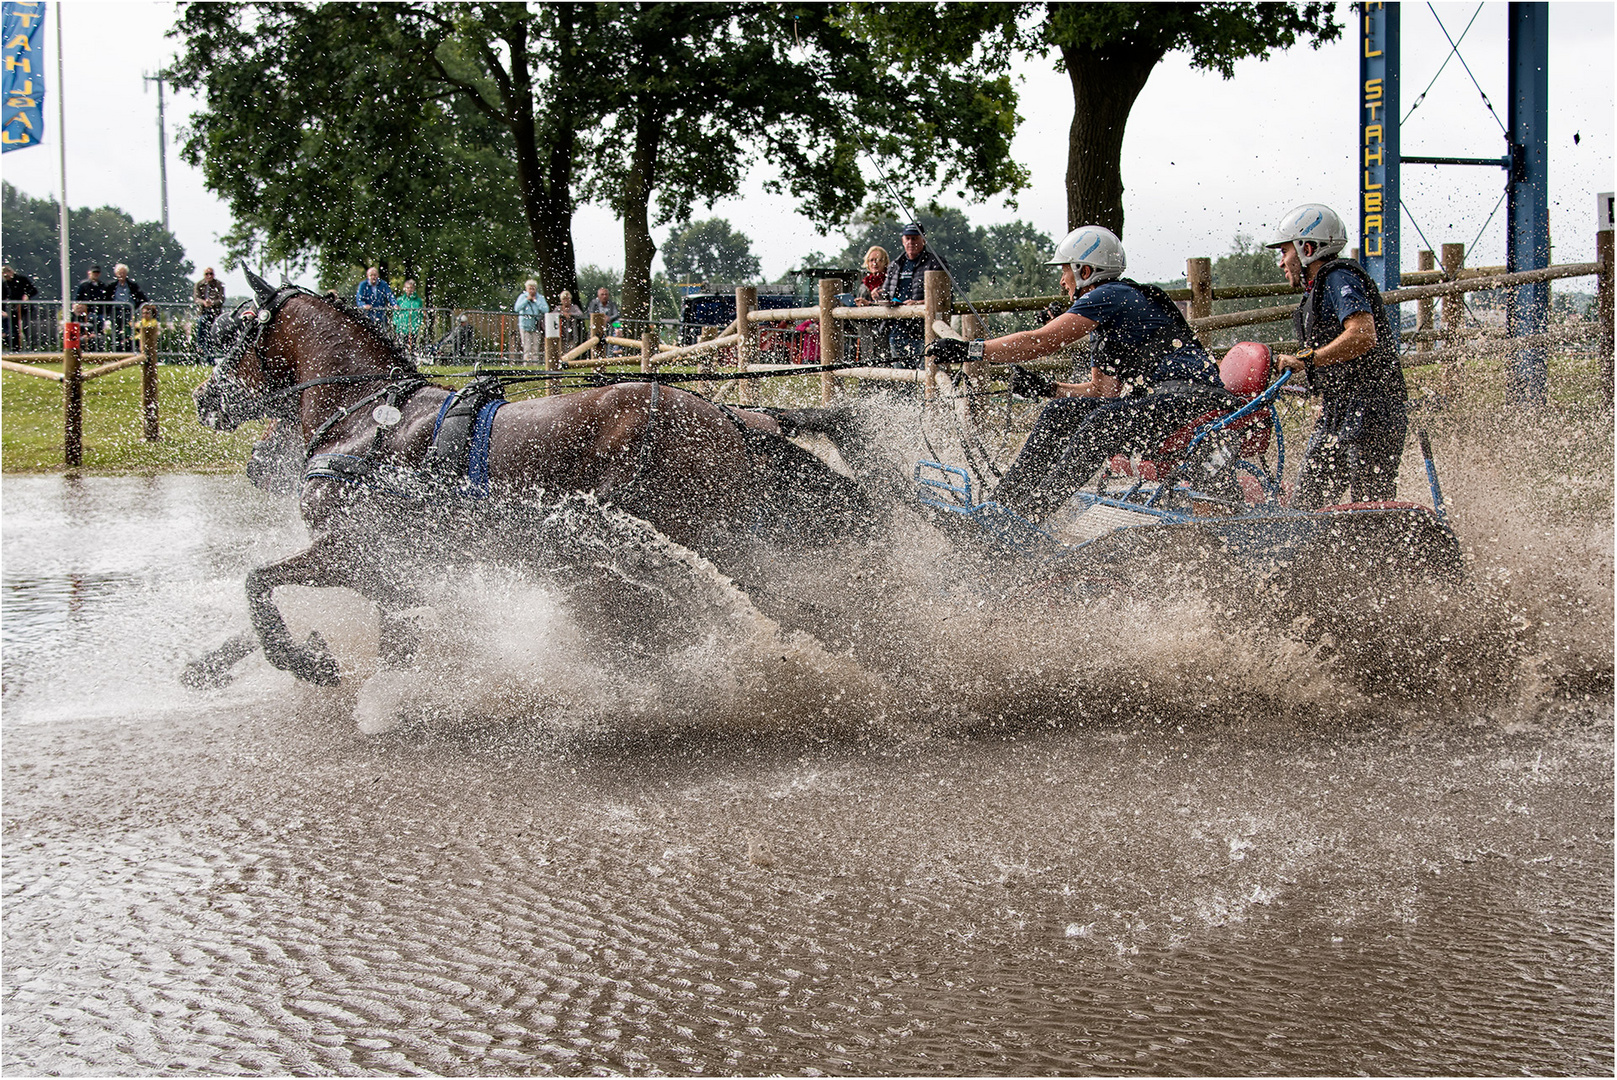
230, 402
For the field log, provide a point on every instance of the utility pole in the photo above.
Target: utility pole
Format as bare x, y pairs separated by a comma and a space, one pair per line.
162, 141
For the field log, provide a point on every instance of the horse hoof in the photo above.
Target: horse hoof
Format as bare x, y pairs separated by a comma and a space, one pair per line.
318, 665
204, 674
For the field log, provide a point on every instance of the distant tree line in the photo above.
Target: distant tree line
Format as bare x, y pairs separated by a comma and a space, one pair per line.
31, 243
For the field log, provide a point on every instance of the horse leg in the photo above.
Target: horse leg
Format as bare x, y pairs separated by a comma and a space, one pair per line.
317, 566
212, 670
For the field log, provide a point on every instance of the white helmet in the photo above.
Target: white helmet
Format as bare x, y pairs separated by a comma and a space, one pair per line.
1095, 247
1314, 222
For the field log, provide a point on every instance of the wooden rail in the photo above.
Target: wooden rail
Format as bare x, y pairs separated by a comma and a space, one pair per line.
74, 375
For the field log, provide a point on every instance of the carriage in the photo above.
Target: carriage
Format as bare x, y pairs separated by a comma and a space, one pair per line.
386, 460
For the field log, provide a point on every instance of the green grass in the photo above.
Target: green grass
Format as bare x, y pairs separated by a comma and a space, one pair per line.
31, 426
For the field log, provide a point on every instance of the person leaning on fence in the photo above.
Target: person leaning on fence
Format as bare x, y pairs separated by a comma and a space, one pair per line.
208, 295
531, 308
374, 296
1349, 356
407, 315
126, 297
872, 333
572, 322
906, 284
1149, 376
603, 304
16, 290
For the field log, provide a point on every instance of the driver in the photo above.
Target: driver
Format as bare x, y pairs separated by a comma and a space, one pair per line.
1348, 356
1149, 376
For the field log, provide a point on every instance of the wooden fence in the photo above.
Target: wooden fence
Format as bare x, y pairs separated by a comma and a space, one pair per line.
74, 375
1424, 286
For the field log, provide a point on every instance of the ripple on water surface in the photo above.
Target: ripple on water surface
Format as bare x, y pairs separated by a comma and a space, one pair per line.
1207, 847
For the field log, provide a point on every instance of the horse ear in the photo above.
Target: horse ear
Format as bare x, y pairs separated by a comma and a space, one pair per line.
261, 288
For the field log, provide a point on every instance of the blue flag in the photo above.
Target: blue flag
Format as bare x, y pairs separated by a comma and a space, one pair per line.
22, 82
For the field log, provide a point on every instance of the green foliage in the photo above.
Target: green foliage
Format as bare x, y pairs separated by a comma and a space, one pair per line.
31, 243
1250, 263
710, 251
429, 133
996, 260
328, 138
1108, 50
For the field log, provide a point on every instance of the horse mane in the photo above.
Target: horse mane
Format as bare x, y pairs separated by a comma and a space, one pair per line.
370, 326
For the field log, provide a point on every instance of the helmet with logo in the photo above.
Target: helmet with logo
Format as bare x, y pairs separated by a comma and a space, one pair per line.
1095, 247
1311, 222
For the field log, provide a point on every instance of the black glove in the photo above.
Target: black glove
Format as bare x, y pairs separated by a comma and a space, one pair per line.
1054, 311
1031, 384
946, 351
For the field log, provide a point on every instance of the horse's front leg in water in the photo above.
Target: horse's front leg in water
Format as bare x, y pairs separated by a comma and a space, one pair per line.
212, 670
318, 566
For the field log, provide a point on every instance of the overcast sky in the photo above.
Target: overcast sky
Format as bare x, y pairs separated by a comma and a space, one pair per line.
1204, 158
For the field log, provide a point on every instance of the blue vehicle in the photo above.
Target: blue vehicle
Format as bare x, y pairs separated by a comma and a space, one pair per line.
702, 309
1207, 485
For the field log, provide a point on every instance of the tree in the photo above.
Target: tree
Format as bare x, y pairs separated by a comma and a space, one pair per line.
518, 108
32, 245
982, 261
1108, 52
1250, 263
323, 132
710, 251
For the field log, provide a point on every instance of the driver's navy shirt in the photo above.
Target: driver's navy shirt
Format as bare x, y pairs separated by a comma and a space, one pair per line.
1136, 339
1341, 295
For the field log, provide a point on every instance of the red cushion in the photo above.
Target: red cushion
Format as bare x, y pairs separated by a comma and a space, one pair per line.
1245, 369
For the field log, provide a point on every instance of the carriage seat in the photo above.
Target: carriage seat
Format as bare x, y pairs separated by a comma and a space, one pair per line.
1244, 371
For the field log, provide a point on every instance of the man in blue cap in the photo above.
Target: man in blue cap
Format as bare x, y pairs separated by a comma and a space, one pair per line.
906, 284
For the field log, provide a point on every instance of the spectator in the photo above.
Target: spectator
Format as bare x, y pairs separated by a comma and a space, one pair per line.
872, 333
458, 342
531, 308
16, 291
603, 304
373, 296
209, 297
91, 338
407, 315
906, 284
126, 297
93, 296
572, 322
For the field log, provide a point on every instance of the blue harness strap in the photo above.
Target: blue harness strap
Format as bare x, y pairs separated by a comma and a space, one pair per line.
477, 460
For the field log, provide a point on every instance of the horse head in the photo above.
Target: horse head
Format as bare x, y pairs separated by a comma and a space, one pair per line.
269, 360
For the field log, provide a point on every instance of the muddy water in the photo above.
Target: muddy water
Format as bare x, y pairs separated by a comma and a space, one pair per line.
1110, 836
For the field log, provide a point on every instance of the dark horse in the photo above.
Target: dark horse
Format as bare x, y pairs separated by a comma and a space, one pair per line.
361, 419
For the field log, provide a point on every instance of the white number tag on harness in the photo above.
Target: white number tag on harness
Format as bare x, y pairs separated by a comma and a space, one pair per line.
386, 415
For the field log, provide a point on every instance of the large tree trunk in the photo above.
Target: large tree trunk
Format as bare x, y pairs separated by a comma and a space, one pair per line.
1104, 86
638, 246
547, 185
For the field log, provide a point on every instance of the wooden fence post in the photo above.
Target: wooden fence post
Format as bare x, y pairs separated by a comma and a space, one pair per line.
830, 337
1453, 306
1423, 307
648, 348
746, 300
1603, 305
939, 305
1199, 273
552, 354
72, 406
976, 373
148, 378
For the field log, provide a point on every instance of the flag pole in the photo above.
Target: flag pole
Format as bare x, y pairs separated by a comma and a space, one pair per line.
61, 158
